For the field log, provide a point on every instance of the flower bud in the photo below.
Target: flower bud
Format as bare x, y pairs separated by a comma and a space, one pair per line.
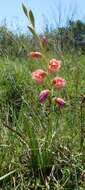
59, 101
43, 95
35, 54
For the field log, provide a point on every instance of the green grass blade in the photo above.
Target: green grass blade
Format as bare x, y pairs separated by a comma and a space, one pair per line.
6, 175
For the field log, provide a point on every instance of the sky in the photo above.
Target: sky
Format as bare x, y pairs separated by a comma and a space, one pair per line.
51, 12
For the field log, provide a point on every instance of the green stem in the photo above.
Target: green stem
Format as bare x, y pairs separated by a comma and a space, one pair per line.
22, 138
82, 127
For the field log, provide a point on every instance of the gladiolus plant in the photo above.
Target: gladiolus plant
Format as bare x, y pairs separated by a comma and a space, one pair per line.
50, 85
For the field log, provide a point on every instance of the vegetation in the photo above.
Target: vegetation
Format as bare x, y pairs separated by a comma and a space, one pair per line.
42, 145
71, 37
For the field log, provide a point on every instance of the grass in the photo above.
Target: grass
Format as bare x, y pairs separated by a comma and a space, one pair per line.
41, 146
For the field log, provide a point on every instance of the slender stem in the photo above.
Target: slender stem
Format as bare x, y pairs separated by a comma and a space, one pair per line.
82, 126
22, 138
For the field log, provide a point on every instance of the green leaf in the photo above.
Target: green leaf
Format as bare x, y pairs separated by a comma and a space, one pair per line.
32, 20
37, 161
25, 10
35, 35
32, 30
29, 15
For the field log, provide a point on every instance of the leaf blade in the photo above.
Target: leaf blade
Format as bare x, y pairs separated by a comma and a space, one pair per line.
6, 175
32, 20
25, 10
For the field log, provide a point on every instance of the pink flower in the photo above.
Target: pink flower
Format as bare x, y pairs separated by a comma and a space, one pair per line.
43, 95
59, 101
59, 82
35, 54
54, 65
39, 75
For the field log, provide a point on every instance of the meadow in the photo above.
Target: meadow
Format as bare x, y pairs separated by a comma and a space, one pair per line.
42, 144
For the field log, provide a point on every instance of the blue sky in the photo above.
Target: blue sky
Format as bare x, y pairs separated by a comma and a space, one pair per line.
45, 11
